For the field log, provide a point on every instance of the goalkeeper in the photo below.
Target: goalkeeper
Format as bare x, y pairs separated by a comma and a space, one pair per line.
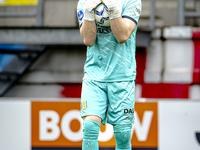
108, 85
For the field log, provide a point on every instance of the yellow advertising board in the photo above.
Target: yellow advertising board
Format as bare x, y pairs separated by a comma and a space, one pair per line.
18, 2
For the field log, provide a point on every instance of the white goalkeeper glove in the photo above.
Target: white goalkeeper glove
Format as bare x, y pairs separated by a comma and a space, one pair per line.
114, 8
90, 6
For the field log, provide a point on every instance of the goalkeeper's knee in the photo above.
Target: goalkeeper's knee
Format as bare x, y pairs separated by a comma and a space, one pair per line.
90, 135
123, 136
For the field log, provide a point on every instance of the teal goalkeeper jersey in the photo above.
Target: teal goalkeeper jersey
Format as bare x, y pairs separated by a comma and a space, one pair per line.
108, 60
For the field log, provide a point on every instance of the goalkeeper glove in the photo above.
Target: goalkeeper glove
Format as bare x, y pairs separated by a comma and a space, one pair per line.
114, 8
90, 6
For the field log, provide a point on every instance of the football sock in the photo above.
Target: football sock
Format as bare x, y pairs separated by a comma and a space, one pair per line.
123, 136
90, 135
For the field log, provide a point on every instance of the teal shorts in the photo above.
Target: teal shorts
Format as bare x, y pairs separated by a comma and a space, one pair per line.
113, 102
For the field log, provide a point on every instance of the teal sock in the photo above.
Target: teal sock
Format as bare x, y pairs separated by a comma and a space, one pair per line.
123, 136
90, 135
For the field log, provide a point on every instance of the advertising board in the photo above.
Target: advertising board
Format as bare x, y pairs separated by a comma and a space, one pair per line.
58, 124
18, 2
41, 124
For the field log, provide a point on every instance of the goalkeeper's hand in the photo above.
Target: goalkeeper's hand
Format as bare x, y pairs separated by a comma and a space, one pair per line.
90, 6
114, 8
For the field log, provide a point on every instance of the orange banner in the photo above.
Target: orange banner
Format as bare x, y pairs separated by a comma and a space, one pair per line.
146, 125
58, 124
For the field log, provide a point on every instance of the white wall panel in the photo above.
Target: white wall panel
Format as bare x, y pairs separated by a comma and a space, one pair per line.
178, 123
154, 63
178, 64
194, 92
15, 125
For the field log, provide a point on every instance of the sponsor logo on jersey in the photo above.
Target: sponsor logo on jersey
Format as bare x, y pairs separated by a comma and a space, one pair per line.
137, 10
103, 29
80, 15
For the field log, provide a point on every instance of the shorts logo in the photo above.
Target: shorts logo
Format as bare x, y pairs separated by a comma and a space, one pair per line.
128, 111
84, 105
80, 15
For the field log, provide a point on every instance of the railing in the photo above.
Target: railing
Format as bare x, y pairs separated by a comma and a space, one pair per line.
183, 13
38, 15
152, 15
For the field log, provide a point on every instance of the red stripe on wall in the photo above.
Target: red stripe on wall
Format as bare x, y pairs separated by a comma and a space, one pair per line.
141, 64
196, 68
163, 90
160, 90
196, 33
72, 90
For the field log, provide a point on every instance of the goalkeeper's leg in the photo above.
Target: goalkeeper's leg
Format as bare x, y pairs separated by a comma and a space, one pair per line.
90, 133
122, 134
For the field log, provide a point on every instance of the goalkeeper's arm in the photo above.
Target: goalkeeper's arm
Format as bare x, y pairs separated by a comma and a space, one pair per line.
122, 28
88, 32
88, 29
